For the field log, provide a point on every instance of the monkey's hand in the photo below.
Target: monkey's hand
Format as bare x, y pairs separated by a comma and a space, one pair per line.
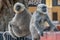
52, 28
41, 33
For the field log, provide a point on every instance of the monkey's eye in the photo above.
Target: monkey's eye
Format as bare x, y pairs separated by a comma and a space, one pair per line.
18, 7
44, 7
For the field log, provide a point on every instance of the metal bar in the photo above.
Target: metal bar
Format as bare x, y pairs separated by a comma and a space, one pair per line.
8, 37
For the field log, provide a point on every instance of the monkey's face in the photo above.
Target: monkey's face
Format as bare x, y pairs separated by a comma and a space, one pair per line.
42, 8
19, 7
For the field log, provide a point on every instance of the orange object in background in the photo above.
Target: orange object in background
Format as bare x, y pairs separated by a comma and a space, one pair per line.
51, 36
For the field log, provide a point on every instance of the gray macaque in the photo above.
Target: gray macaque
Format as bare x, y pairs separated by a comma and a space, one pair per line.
19, 25
38, 20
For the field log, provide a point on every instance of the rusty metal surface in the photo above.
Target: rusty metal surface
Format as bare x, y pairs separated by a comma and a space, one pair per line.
51, 36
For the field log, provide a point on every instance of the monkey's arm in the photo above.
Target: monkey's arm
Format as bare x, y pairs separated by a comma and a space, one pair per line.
52, 26
10, 29
37, 27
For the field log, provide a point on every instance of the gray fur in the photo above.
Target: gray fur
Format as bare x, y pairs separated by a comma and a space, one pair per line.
37, 22
19, 25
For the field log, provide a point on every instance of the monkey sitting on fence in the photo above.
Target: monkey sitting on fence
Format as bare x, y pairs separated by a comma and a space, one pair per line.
19, 25
38, 20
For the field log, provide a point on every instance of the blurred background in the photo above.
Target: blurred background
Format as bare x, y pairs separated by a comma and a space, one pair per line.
7, 13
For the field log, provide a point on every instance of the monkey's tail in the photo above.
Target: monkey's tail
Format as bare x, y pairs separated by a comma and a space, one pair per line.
4, 38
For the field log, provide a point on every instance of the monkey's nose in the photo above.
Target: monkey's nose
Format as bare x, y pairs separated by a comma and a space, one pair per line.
18, 7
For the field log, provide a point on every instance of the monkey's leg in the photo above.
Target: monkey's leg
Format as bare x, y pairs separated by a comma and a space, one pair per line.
39, 30
4, 38
11, 31
12, 34
34, 34
35, 37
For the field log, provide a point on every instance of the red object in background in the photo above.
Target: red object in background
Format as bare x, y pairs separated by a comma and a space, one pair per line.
51, 36
58, 27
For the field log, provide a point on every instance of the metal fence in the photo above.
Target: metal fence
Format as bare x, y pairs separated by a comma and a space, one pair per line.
8, 37
47, 36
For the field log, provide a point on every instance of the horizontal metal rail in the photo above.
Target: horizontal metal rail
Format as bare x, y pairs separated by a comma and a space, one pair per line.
8, 37
47, 36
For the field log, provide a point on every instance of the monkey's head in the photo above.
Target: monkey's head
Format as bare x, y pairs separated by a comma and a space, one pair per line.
18, 7
42, 8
